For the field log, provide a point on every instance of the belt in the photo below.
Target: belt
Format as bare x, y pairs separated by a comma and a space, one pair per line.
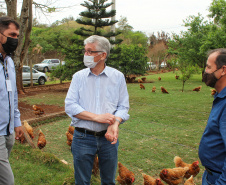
101, 133
210, 171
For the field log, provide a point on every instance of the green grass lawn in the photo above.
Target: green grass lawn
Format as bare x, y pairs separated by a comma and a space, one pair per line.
160, 127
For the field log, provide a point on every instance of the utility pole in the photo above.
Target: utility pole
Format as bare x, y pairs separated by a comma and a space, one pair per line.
113, 19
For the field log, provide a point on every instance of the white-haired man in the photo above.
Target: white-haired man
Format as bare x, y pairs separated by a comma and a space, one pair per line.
97, 101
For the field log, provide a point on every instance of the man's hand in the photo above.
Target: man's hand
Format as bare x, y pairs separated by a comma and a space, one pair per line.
105, 118
112, 133
18, 132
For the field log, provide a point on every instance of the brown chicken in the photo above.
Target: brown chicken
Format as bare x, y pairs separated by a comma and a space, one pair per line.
177, 77
41, 140
71, 130
69, 138
159, 78
213, 91
164, 90
153, 89
125, 177
139, 80
29, 129
190, 181
38, 110
143, 79
22, 138
197, 89
148, 180
193, 168
142, 86
95, 169
173, 176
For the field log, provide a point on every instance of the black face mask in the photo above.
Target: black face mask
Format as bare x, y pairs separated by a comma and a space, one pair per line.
209, 79
10, 45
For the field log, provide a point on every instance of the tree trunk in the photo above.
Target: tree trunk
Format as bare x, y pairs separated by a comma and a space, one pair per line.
11, 8
21, 52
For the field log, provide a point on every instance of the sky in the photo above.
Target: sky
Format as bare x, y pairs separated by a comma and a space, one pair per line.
144, 15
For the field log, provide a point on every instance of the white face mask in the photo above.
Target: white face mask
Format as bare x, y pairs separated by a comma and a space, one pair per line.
89, 61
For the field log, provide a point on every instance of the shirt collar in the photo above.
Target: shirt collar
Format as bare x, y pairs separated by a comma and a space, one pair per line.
222, 94
104, 72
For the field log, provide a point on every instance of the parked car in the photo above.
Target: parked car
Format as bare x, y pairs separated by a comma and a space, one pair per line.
163, 64
47, 65
38, 77
151, 65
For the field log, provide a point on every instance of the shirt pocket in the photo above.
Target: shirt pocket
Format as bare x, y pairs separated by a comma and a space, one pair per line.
111, 101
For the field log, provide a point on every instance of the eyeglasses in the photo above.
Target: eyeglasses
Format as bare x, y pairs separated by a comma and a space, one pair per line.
90, 52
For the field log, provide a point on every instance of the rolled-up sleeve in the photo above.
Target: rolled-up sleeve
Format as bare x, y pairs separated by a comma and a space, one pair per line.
123, 103
72, 106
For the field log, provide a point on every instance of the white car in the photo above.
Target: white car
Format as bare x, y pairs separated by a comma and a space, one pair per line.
38, 77
163, 64
47, 65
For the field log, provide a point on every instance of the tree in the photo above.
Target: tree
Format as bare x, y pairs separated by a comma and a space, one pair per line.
133, 60
96, 17
25, 21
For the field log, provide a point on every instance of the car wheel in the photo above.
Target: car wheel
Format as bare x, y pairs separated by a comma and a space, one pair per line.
41, 81
45, 69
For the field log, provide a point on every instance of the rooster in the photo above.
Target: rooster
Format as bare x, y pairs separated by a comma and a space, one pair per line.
164, 90
213, 91
148, 180
153, 89
140, 81
38, 110
29, 129
142, 86
41, 140
159, 78
197, 89
177, 77
95, 169
190, 181
125, 177
173, 176
193, 168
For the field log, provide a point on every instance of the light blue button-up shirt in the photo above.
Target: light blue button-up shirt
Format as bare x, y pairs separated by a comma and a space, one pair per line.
8, 96
105, 93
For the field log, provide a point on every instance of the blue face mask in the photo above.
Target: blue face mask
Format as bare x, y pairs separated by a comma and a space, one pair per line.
10, 45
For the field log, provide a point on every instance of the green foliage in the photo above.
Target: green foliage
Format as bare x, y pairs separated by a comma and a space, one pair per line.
96, 16
218, 12
132, 60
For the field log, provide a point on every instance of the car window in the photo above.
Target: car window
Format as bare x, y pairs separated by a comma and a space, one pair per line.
26, 69
45, 61
55, 61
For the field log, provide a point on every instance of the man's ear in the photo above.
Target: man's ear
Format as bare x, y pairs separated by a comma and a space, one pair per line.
224, 70
104, 56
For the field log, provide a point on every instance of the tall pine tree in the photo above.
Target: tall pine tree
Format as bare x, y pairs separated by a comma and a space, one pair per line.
96, 17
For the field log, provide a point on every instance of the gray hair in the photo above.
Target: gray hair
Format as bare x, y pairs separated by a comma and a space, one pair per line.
102, 43
221, 57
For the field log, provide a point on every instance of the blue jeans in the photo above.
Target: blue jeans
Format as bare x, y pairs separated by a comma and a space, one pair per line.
208, 179
84, 148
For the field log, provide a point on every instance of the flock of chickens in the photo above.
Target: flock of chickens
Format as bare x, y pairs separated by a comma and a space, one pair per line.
41, 137
142, 80
171, 176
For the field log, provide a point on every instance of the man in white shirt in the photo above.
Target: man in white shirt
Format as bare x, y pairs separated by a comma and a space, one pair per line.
97, 101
